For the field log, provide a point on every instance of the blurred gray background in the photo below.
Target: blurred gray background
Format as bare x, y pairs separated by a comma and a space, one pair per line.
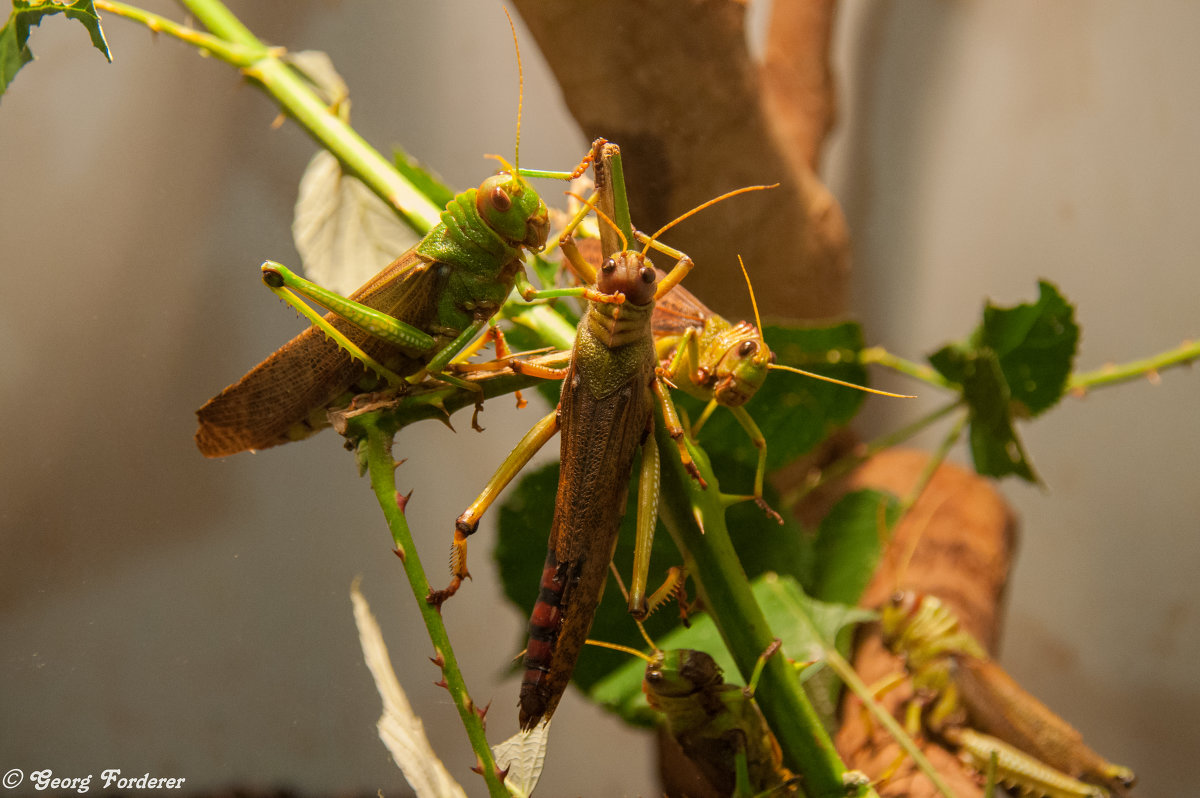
162, 613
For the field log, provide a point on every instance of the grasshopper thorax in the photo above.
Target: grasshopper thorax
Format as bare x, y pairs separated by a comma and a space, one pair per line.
510, 207
922, 629
630, 274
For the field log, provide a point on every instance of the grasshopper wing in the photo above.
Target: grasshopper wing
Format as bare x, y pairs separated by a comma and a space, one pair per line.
284, 397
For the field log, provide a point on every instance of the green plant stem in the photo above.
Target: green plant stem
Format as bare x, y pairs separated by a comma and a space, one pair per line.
1149, 367
846, 464
713, 564
437, 401
233, 43
375, 445
877, 355
229, 51
848, 675
933, 463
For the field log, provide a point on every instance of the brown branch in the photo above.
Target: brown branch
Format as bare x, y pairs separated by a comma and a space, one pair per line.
673, 83
957, 544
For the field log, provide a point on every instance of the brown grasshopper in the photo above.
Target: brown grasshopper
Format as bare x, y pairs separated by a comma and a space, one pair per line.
605, 415
979, 708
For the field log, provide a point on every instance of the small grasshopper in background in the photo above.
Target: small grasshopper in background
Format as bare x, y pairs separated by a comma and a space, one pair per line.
605, 415
974, 704
408, 321
717, 725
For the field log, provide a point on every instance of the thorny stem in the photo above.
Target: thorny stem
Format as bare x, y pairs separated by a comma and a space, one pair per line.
1148, 368
226, 49
233, 43
375, 444
696, 520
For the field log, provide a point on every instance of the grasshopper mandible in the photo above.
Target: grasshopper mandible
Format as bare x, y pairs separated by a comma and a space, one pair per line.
953, 671
405, 323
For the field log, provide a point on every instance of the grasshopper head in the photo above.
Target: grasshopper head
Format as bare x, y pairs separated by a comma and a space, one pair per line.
510, 207
739, 365
628, 273
896, 616
679, 673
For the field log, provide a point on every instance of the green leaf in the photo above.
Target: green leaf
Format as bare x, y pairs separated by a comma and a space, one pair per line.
26, 14
1036, 347
1015, 365
804, 625
344, 232
995, 448
850, 542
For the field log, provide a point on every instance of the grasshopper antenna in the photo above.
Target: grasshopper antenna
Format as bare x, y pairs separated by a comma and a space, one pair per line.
744, 190
777, 367
520, 91
612, 568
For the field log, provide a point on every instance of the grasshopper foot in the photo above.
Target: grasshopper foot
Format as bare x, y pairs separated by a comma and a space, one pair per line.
766, 508
435, 598
695, 473
475, 415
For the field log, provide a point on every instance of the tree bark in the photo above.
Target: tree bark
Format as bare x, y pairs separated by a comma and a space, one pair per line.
674, 83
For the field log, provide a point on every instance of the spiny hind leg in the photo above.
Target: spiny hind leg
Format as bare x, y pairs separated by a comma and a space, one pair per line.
468, 522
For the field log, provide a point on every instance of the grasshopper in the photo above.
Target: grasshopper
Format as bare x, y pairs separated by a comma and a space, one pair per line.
951, 669
718, 725
707, 356
716, 361
605, 415
407, 322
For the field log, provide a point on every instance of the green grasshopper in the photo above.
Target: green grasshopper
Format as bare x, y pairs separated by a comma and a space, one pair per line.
724, 364
977, 706
408, 321
718, 725
605, 415
718, 362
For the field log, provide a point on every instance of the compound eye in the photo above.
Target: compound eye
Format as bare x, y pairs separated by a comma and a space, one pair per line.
609, 266
500, 199
647, 275
748, 348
